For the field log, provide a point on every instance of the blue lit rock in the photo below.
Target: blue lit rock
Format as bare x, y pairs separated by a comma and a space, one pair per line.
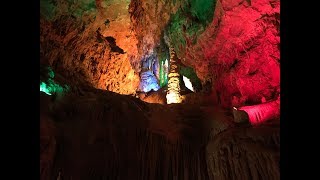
148, 82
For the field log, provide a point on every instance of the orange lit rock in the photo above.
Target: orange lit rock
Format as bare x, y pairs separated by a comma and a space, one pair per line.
97, 48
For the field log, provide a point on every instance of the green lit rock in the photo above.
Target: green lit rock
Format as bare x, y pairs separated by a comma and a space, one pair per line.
47, 9
50, 87
189, 22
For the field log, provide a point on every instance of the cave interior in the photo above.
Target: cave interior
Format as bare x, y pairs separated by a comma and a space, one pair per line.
159, 89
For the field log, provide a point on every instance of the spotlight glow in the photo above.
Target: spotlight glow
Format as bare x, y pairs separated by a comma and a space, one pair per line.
188, 83
44, 88
166, 65
173, 98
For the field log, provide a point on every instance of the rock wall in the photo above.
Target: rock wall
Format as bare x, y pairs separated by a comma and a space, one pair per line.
104, 42
239, 52
236, 50
90, 41
150, 17
244, 153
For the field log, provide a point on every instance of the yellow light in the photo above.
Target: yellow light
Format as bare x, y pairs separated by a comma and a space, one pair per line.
173, 98
173, 94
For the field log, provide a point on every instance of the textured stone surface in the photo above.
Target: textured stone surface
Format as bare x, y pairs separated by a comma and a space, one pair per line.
88, 133
104, 44
245, 153
93, 44
107, 135
158, 97
239, 52
150, 18
148, 82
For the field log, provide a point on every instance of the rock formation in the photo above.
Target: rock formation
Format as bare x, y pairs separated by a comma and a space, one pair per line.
103, 135
104, 72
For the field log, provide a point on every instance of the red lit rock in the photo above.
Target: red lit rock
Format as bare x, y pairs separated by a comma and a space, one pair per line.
257, 114
239, 52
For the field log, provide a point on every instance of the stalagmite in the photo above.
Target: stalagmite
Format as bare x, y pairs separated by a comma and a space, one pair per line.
173, 94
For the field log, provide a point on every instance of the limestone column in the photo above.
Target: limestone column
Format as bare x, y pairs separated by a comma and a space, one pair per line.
173, 93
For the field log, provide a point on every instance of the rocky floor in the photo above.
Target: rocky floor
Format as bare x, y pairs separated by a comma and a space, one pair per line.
104, 135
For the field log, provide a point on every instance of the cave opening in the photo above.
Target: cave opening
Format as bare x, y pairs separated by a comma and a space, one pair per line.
159, 89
